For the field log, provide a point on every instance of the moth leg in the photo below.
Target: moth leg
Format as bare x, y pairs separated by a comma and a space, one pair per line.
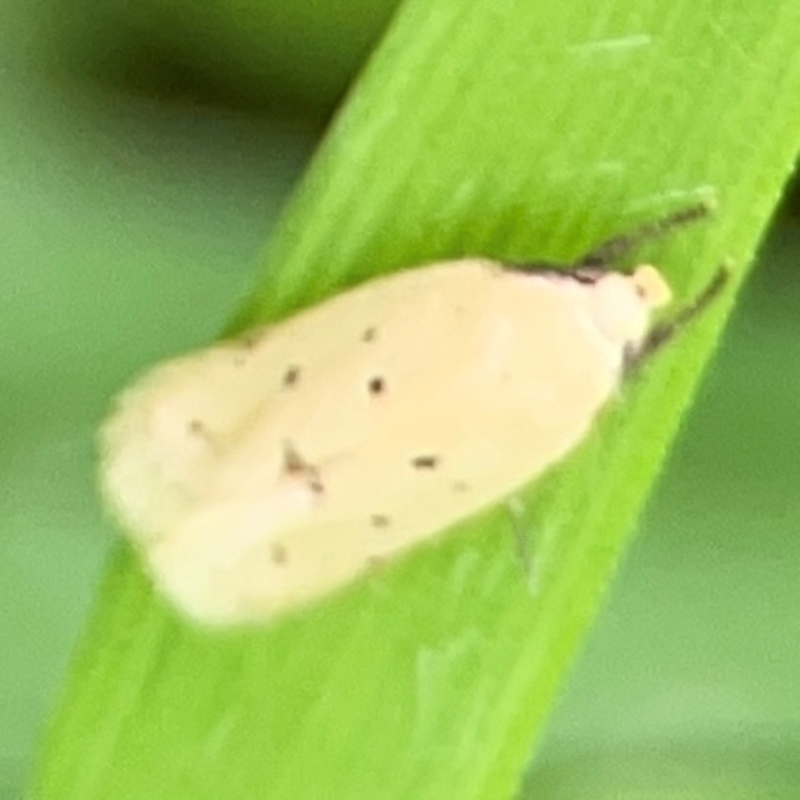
520, 527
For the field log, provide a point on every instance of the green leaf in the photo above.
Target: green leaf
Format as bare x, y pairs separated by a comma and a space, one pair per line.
516, 130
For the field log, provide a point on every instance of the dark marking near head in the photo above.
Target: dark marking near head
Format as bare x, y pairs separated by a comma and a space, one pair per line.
377, 385
425, 462
369, 334
559, 272
278, 553
379, 521
291, 376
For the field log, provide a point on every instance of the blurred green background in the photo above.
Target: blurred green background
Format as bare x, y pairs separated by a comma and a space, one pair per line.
144, 154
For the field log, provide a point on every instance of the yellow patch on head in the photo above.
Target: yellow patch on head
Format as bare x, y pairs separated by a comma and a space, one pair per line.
651, 286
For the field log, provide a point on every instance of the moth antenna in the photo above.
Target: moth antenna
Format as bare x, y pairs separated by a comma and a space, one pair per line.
665, 331
520, 523
617, 247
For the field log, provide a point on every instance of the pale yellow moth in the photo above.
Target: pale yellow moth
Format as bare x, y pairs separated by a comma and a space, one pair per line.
265, 472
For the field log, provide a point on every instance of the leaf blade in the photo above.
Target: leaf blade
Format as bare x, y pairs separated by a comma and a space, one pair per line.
518, 132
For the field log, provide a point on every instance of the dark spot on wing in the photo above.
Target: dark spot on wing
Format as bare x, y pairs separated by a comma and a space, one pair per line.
291, 376
295, 464
377, 385
197, 428
460, 486
380, 521
278, 553
375, 562
369, 334
425, 462
251, 339
586, 275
